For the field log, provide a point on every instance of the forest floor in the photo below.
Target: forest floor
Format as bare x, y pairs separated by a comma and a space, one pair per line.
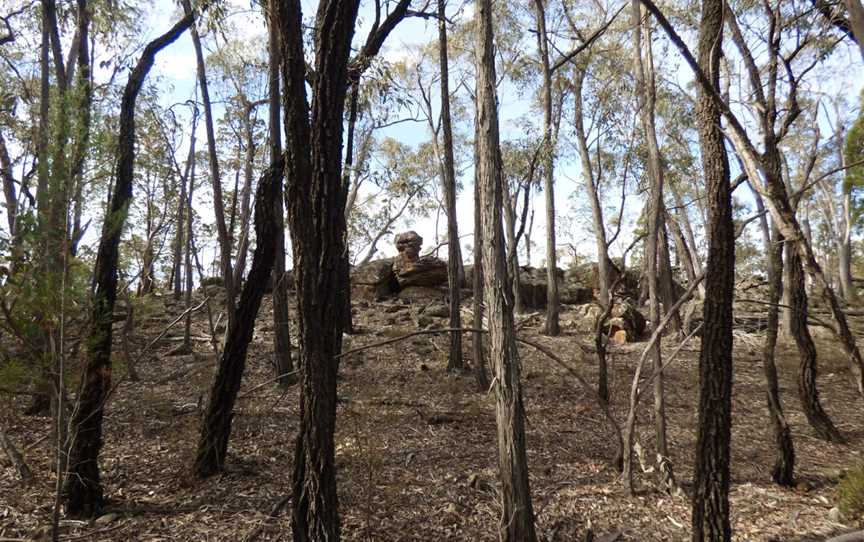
416, 446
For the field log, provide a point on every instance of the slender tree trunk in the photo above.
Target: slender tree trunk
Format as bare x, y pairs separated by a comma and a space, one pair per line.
190, 244
783, 471
517, 517
553, 327
807, 370
179, 236
604, 296
218, 205
654, 245
246, 195
216, 427
512, 246
83, 491
710, 519
454, 255
281, 321
477, 300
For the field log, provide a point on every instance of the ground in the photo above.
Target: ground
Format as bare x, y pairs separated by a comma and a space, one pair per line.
416, 451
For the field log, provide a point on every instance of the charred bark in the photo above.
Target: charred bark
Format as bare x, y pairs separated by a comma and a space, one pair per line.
216, 428
83, 488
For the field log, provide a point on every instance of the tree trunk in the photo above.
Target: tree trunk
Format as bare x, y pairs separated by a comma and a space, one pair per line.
216, 426
783, 471
655, 248
710, 519
454, 255
316, 201
512, 246
517, 517
807, 369
83, 492
225, 267
477, 300
281, 321
604, 296
553, 327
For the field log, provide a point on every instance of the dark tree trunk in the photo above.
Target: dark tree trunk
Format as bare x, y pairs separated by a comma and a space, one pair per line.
454, 255
517, 515
281, 321
783, 471
316, 209
83, 491
216, 428
807, 369
710, 519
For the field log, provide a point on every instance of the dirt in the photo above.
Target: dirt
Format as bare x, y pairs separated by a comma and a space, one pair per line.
416, 446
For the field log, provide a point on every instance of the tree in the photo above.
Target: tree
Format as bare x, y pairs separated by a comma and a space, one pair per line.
553, 327
83, 487
226, 268
711, 478
316, 199
517, 518
448, 180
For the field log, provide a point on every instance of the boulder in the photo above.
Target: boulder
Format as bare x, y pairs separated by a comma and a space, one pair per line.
625, 324
532, 287
374, 280
413, 270
425, 271
422, 295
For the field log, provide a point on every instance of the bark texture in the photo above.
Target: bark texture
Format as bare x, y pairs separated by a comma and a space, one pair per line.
83, 488
710, 520
216, 427
517, 518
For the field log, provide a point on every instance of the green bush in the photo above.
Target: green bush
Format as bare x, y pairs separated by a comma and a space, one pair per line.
850, 493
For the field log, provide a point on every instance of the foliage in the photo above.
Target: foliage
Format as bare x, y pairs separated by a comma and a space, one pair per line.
850, 493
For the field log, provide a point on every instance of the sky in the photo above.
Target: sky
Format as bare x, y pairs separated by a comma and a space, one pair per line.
175, 72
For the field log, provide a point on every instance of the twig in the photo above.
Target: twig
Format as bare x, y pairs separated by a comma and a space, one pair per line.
274, 512
270, 381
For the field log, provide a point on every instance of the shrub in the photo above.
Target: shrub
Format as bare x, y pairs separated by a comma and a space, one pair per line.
850, 493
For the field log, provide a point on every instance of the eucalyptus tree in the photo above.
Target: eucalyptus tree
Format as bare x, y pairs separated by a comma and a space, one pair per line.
83, 489
316, 200
517, 518
710, 519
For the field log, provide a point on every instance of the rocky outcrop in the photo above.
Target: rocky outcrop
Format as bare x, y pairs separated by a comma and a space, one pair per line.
413, 270
374, 280
626, 324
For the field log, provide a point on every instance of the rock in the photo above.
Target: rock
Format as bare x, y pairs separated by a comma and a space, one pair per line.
423, 295
374, 280
624, 318
533, 286
411, 269
834, 515
425, 271
437, 310
105, 519
211, 281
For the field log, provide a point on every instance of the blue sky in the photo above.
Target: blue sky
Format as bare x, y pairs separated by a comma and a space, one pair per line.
176, 68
